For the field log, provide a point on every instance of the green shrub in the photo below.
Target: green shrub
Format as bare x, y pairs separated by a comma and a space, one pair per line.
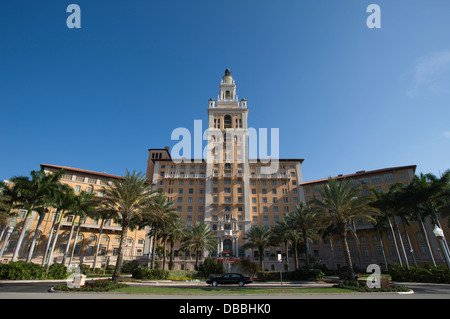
428, 273
84, 269
299, 274
129, 266
189, 274
95, 286
250, 267
145, 273
57, 271
361, 286
20, 270
211, 266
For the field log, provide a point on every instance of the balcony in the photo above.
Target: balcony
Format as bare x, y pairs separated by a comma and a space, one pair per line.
176, 174
94, 226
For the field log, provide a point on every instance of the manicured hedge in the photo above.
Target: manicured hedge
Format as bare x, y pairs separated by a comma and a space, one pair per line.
20, 270
299, 274
96, 285
145, 273
428, 273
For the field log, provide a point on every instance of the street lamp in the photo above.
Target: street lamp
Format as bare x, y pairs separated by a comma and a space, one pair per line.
12, 222
439, 233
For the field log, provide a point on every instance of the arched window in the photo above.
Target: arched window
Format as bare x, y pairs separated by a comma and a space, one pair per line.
227, 95
227, 121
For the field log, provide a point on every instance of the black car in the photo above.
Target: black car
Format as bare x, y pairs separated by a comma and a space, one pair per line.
230, 279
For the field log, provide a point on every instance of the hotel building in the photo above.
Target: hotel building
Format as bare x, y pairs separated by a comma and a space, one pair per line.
371, 246
86, 242
231, 192
227, 190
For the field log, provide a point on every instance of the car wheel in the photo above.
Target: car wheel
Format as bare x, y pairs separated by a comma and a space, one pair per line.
241, 284
214, 283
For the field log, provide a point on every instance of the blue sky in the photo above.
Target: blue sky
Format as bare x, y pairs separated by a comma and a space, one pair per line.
345, 97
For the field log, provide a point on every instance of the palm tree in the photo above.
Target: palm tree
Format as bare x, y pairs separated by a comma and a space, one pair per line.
258, 237
385, 203
51, 181
127, 197
199, 237
167, 227
154, 214
32, 195
419, 197
63, 200
84, 207
6, 205
279, 234
176, 233
380, 225
304, 219
340, 205
101, 213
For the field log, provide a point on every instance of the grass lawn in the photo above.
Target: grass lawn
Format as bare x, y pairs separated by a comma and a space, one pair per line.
225, 291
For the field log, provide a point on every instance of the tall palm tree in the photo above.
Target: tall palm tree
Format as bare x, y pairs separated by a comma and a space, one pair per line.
6, 206
64, 201
176, 234
419, 196
167, 227
340, 205
279, 234
385, 203
154, 214
199, 237
127, 197
380, 225
31, 196
304, 219
103, 214
84, 207
52, 183
258, 237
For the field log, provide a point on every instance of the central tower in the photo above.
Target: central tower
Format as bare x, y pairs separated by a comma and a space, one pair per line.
227, 204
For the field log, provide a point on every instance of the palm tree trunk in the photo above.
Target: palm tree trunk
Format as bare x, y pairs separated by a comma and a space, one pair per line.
402, 246
164, 255
171, 255
119, 262
382, 250
348, 258
422, 227
75, 242
305, 240
154, 248
295, 254
68, 242
261, 257
2, 232
331, 252
411, 250
196, 259
49, 241
21, 236
444, 240
35, 236
395, 242
287, 254
97, 246
55, 239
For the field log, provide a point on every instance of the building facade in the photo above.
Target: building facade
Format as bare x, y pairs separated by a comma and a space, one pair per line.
227, 190
371, 246
86, 242
231, 192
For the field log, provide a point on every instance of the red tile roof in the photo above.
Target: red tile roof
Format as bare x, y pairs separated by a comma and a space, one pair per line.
80, 170
362, 173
